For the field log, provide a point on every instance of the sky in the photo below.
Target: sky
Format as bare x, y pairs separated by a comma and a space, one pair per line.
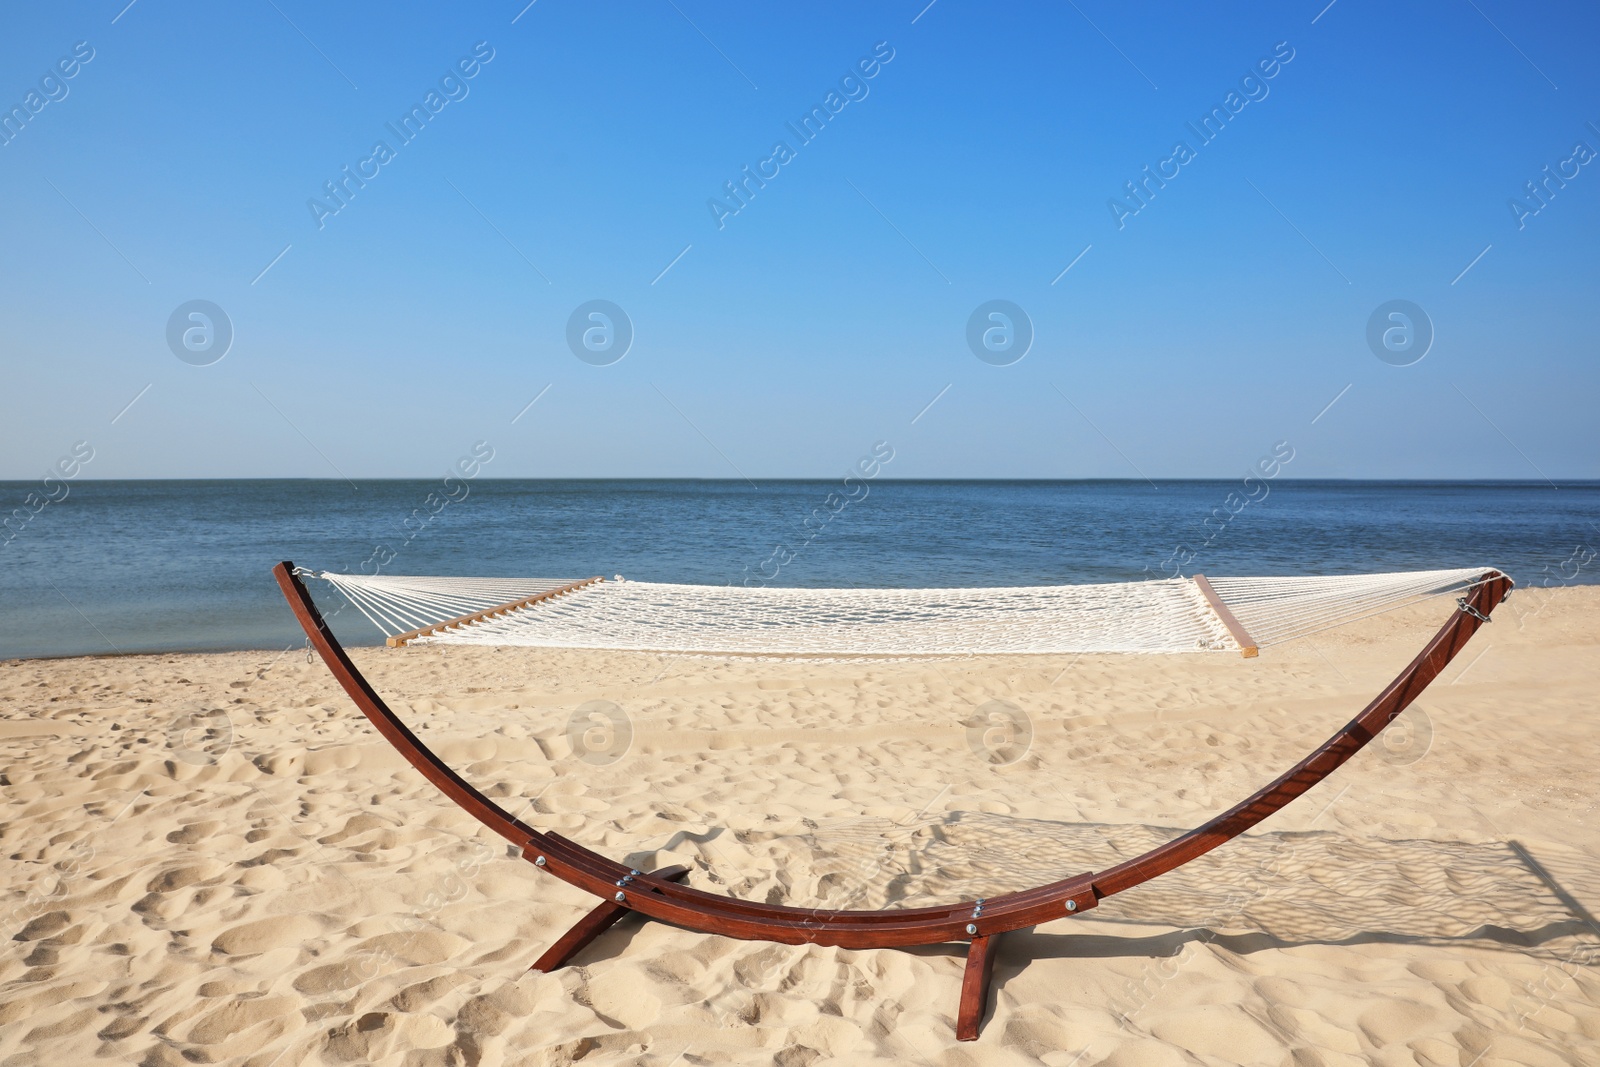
958, 155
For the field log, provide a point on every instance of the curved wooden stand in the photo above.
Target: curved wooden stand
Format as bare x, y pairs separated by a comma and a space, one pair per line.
978, 922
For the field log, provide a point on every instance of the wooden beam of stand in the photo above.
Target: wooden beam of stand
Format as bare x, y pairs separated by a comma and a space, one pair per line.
1247, 644
488, 613
975, 986
598, 921
669, 902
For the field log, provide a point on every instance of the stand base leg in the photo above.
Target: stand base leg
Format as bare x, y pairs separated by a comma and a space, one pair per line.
975, 986
602, 918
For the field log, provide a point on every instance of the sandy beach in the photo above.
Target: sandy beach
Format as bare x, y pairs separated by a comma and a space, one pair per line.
215, 859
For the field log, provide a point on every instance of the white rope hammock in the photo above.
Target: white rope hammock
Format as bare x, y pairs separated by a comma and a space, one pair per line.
1169, 615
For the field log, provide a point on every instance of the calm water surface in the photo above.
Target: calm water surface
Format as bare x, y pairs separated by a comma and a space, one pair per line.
136, 566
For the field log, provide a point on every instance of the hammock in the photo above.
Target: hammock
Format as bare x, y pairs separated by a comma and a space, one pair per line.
1178, 615
1170, 615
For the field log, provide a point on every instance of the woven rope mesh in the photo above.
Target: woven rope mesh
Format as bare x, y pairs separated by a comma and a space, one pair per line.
1168, 615
396, 605
1276, 610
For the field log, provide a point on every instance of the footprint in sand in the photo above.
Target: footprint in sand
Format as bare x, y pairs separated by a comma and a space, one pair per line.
182, 877
194, 833
263, 935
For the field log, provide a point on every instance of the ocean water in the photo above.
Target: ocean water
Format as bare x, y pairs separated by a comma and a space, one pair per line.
141, 566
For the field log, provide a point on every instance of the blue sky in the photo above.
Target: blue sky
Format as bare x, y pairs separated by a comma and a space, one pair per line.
976, 164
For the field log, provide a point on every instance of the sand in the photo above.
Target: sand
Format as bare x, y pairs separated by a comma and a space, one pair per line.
214, 859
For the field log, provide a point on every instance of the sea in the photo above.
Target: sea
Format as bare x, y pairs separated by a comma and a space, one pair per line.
110, 567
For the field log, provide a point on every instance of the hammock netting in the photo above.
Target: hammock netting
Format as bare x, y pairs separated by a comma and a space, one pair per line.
1168, 615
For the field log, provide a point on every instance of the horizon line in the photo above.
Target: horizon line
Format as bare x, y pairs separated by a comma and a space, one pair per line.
1416, 479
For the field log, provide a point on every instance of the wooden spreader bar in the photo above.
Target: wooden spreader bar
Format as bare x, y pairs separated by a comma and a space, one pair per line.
659, 895
1247, 644
487, 613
